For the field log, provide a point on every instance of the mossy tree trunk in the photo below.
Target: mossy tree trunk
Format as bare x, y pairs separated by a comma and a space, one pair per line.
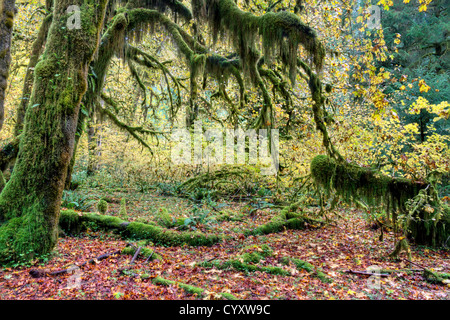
7, 11
30, 202
36, 51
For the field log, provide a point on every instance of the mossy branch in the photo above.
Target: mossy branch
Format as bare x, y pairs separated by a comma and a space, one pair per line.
133, 131
281, 32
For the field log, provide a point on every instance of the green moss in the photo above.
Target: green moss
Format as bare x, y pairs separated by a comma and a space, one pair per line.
304, 265
136, 230
286, 219
189, 288
66, 99
281, 33
145, 252
123, 208
102, 206
9, 21
164, 218
27, 237
242, 266
163, 236
186, 287
352, 182
102, 221
70, 222
45, 68
413, 205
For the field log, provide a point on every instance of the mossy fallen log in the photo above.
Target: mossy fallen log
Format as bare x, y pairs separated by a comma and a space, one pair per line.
242, 266
286, 219
247, 261
437, 277
72, 222
189, 288
304, 265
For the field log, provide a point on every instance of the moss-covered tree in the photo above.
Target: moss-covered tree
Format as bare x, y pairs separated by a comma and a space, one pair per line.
30, 202
7, 12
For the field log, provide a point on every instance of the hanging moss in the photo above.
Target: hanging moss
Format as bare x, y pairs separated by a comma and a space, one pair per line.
281, 32
414, 204
353, 182
427, 219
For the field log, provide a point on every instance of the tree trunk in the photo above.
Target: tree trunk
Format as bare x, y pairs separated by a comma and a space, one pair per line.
92, 144
31, 200
7, 12
78, 134
36, 51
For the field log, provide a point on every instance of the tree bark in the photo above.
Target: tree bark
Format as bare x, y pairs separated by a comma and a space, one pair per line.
7, 12
36, 51
30, 202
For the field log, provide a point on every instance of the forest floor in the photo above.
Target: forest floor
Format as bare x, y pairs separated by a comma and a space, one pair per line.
347, 244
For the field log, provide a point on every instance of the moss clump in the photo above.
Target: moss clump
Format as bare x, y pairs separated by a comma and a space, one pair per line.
304, 265
228, 215
145, 252
242, 266
164, 236
164, 219
123, 208
102, 206
102, 221
286, 219
186, 287
189, 288
254, 254
247, 261
45, 68
427, 220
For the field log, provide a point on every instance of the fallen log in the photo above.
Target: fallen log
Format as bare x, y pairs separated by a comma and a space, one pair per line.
74, 223
135, 255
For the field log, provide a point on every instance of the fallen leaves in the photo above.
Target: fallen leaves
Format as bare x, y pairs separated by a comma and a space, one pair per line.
350, 245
